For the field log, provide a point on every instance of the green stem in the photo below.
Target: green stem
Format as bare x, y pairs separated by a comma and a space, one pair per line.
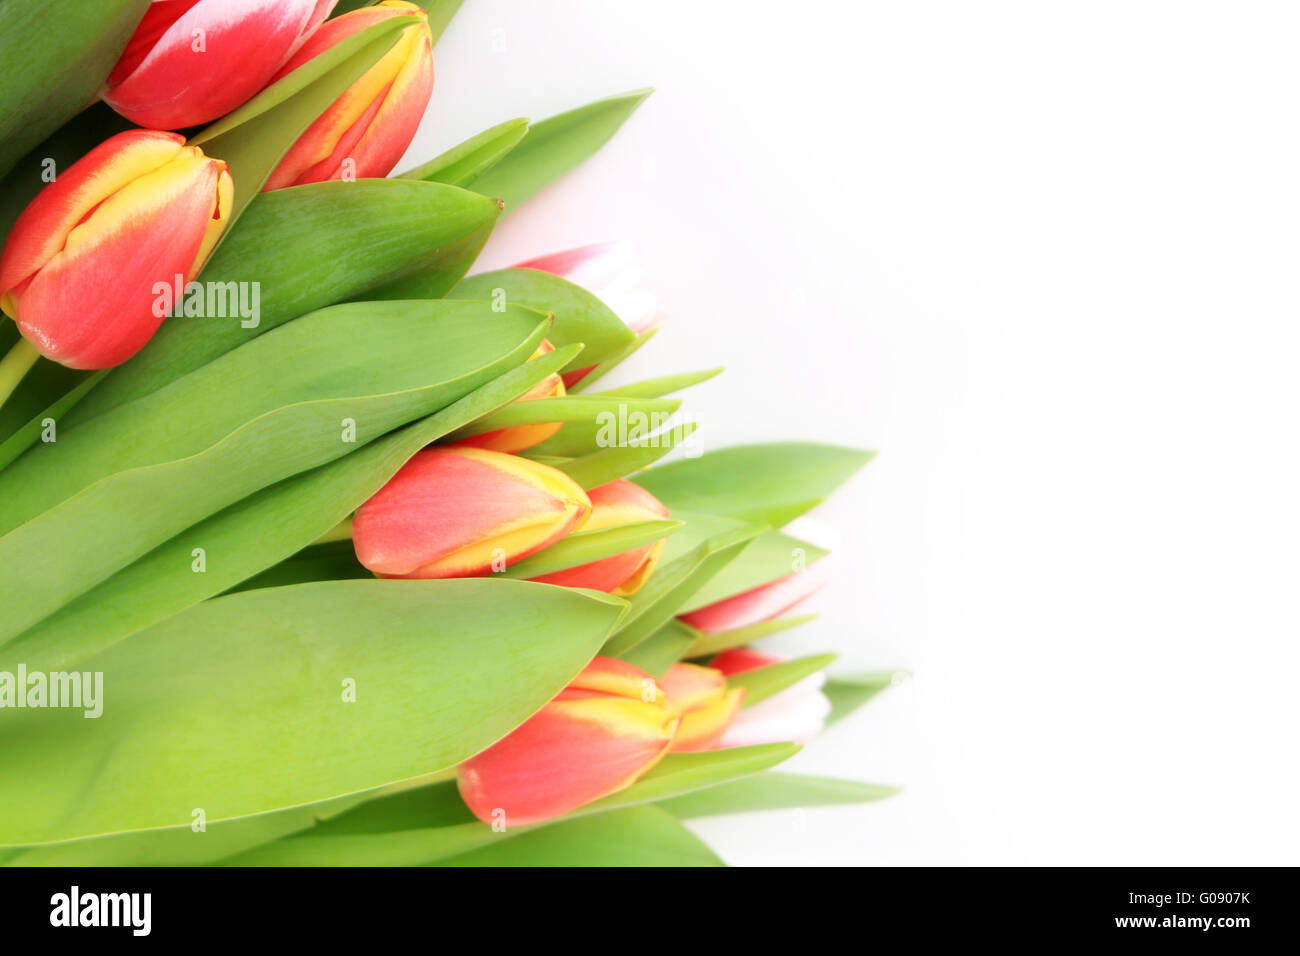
340, 532
14, 366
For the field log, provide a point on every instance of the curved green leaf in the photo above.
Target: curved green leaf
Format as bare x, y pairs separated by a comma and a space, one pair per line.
461, 165
762, 682
583, 547
240, 705
774, 791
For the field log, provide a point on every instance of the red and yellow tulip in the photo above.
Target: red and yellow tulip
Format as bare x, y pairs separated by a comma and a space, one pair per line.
520, 437
617, 503
191, 61
598, 736
699, 695
460, 512
762, 603
79, 269
367, 129
612, 273
797, 713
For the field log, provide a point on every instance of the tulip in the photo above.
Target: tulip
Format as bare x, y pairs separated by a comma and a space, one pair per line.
617, 503
80, 266
598, 736
699, 695
459, 512
762, 603
612, 273
797, 713
520, 437
191, 61
367, 129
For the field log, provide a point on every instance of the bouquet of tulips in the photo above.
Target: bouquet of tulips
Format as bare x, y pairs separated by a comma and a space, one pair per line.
317, 547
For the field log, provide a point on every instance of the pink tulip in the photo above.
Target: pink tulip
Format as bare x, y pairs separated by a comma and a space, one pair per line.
459, 512
797, 713
79, 270
612, 273
762, 603
191, 61
367, 129
522, 437
598, 736
616, 503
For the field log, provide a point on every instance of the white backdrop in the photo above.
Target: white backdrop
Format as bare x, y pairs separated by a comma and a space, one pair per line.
1042, 255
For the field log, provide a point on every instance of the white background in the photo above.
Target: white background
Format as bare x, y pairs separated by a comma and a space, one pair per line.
1042, 255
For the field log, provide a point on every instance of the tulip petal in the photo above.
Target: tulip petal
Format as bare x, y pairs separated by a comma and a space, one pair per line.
762, 603
42, 230
210, 59
704, 727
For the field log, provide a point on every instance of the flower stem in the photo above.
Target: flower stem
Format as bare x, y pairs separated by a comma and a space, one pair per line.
340, 532
14, 366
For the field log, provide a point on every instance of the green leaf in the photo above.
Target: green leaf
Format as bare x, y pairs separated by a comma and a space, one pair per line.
639, 836
583, 547
849, 692
580, 410
254, 534
461, 165
671, 585
27, 436
237, 706
613, 362
56, 55
770, 556
664, 385
710, 644
602, 467
664, 648
579, 315
762, 682
307, 247
774, 791
254, 138
555, 146
770, 483
65, 551
439, 274
431, 823
440, 11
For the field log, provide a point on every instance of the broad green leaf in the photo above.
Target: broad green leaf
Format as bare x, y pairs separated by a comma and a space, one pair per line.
555, 146
461, 165
255, 534
431, 823
335, 561
849, 692
56, 56
65, 551
671, 585
762, 682
306, 247
27, 436
578, 410
619, 422
367, 348
638, 836
662, 649
439, 274
254, 138
239, 706
601, 467
774, 791
579, 315
583, 547
664, 385
711, 644
772, 483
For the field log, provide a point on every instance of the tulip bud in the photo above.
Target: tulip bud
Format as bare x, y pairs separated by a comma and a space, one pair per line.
699, 695
797, 713
762, 603
459, 512
617, 503
599, 735
521, 437
612, 273
191, 61
79, 269
367, 129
